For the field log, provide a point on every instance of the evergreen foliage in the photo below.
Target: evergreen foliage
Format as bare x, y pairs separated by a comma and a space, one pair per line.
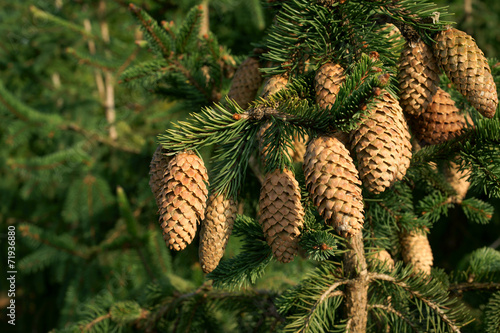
82, 121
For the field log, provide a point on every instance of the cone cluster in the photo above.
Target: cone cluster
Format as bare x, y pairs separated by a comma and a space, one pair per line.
332, 180
416, 251
281, 213
246, 82
215, 230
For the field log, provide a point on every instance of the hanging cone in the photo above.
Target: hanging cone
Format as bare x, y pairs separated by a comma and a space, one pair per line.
281, 213
466, 66
441, 121
458, 180
158, 168
416, 251
215, 230
418, 77
273, 84
332, 180
384, 257
184, 199
382, 145
246, 82
327, 84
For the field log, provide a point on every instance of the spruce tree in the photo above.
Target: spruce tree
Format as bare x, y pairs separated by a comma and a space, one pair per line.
334, 149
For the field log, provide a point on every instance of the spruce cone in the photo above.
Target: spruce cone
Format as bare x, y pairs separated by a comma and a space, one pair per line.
332, 180
327, 84
417, 251
458, 180
300, 148
418, 77
281, 213
384, 257
246, 82
441, 121
466, 66
183, 199
158, 168
382, 145
215, 230
273, 84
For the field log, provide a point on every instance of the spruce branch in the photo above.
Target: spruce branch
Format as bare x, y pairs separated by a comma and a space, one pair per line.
473, 286
391, 309
426, 298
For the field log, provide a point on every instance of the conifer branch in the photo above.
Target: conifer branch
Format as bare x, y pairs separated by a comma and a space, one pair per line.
473, 286
330, 292
438, 309
390, 309
94, 322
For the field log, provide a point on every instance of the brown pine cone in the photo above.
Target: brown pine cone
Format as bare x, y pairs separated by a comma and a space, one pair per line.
273, 84
246, 82
384, 257
382, 145
327, 84
418, 77
416, 251
458, 180
466, 66
184, 199
281, 213
215, 230
300, 148
158, 168
333, 182
441, 121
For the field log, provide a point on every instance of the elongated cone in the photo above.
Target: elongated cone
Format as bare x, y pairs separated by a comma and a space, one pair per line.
281, 213
158, 168
384, 257
184, 199
441, 121
416, 251
418, 77
466, 66
458, 180
215, 230
327, 84
382, 145
332, 180
246, 82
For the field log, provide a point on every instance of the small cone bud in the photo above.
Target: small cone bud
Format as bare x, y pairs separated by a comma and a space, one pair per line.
441, 121
246, 83
281, 213
416, 251
158, 168
466, 66
215, 231
382, 145
332, 180
418, 77
184, 199
327, 84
